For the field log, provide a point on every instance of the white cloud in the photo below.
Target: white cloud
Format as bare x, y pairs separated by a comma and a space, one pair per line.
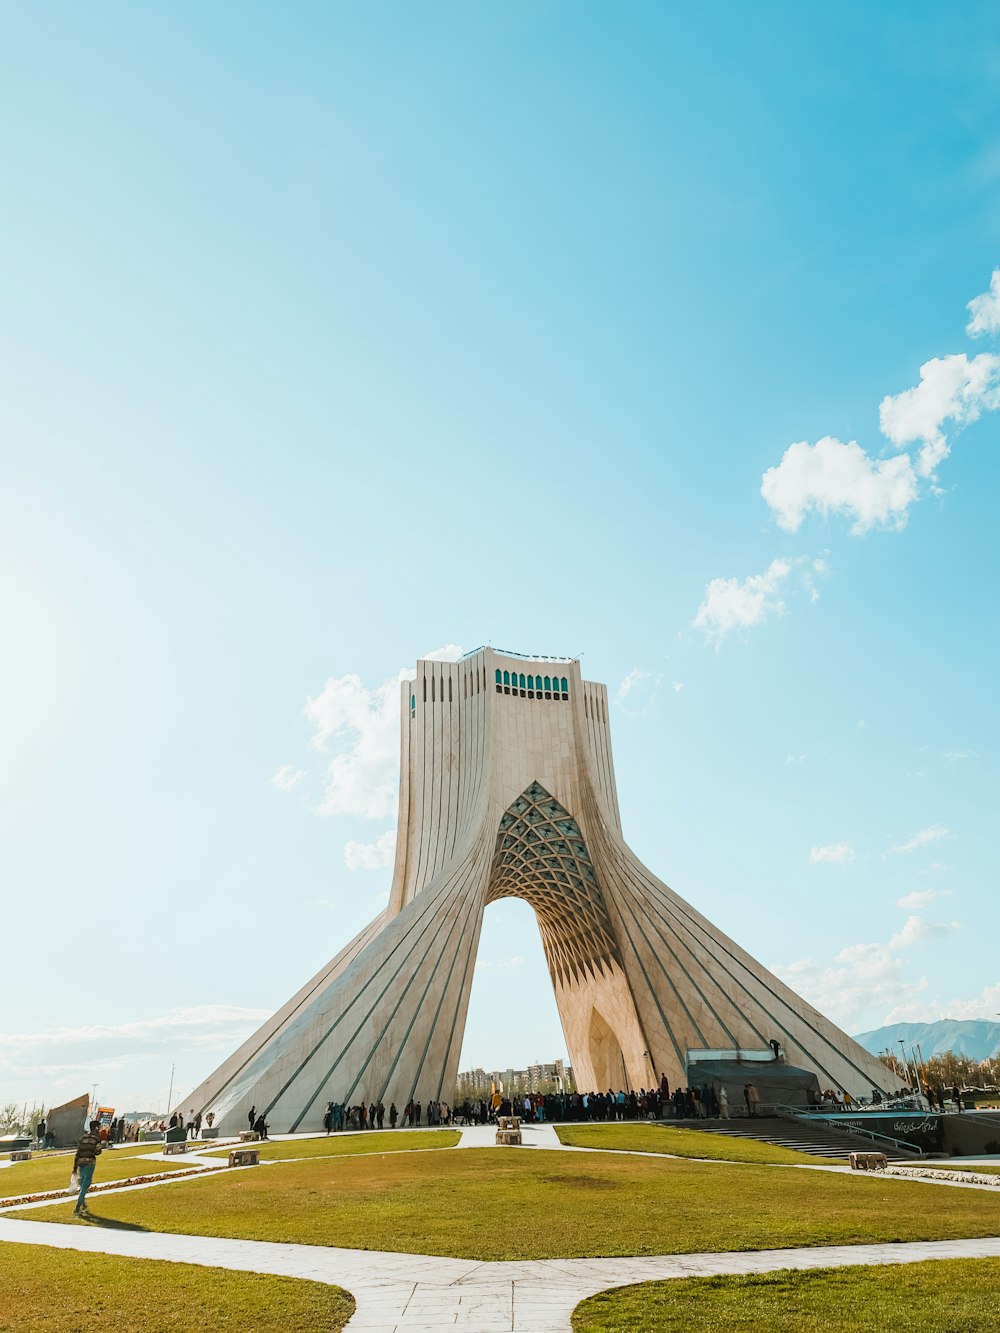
72, 1051
199, 1023
634, 677
919, 898
831, 477
837, 853
985, 310
287, 777
677, 686
985, 1005
730, 604
952, 388
638, 689
956, 756
918, 931
362, 776
861, 977
451, 652
126, 1059
371, 855
926, 835
816, 569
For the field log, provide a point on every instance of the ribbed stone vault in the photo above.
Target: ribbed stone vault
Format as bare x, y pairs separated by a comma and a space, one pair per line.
541, 856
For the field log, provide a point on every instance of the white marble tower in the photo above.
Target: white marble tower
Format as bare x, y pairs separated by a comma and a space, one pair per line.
508, 789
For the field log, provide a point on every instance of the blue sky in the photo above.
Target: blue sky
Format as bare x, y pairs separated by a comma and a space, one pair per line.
333, 335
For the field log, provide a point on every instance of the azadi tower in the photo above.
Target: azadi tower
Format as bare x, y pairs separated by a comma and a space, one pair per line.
508, 790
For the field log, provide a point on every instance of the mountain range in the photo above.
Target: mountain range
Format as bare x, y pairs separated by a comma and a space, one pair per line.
974, 1037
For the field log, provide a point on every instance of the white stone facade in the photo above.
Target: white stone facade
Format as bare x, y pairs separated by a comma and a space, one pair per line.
507, 789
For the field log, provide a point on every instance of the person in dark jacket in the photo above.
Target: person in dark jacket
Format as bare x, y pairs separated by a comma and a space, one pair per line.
87, 1152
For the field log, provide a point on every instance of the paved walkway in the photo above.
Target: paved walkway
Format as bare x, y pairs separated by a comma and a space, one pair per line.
405, 1293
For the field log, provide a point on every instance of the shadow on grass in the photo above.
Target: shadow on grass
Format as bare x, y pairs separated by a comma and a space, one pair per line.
109, 1223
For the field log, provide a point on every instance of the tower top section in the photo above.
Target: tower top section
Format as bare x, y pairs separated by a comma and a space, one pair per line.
508, 652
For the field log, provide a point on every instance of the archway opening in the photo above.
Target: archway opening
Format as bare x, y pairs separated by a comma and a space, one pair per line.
513, 1020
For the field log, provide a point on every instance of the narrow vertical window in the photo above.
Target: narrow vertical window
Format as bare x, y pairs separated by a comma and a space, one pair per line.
425, 689
449, 690
499, 678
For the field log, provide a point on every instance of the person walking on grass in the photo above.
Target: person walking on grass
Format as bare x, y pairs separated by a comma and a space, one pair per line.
87, 1152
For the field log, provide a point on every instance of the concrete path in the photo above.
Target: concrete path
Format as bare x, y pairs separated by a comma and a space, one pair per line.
405, 1293
532, 1136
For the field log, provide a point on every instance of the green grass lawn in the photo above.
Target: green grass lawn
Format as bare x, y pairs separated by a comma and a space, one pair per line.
684, 1143
531, 1204
60, 1291
943, 1296
340, 1145
52, 1173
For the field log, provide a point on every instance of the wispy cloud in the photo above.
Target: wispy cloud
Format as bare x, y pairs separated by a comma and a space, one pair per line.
931, 834
912, 1010
371, 855
916, 930
863, 977
953, 389
836, 853
638, 690
356, 730
984, 310
501, 964
731, 604
287, 777
919, 898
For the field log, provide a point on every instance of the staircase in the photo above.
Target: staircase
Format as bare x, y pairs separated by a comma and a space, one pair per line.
815, 1138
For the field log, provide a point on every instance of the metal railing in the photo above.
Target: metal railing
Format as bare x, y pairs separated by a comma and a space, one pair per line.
796, 1114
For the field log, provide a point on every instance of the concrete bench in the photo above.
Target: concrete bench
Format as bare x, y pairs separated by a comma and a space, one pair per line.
21, 1156
244, 1157
508, 1130
174, 1147
868, 1161
249, 1136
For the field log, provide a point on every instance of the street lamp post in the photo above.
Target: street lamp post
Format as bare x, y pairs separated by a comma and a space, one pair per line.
902, 1052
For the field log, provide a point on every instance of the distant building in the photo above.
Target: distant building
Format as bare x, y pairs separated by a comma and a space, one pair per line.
554, 1077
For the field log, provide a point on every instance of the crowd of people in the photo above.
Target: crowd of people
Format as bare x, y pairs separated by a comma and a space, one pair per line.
340, 1116
692, 1103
